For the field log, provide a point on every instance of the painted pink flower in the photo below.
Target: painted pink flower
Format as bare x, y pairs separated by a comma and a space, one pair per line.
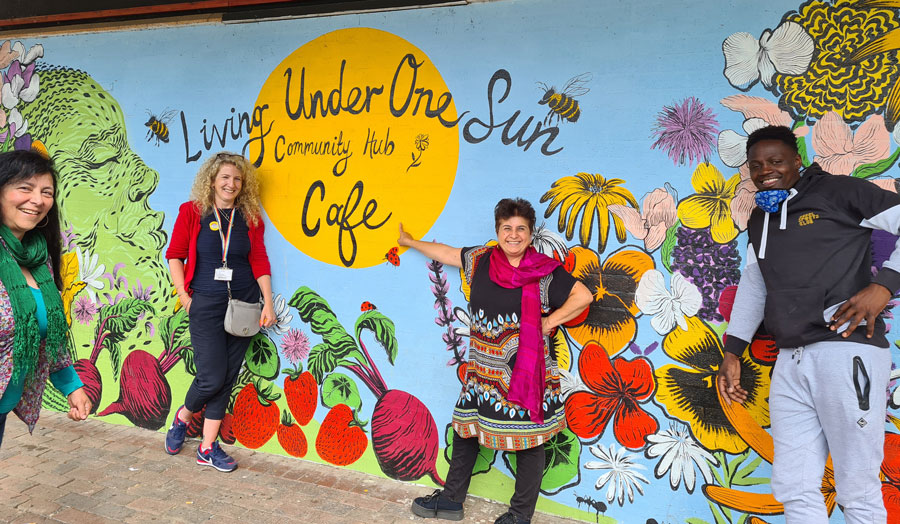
295, 345
758, 112
84, 310
686, 131
658, 214
744, 199
840, 151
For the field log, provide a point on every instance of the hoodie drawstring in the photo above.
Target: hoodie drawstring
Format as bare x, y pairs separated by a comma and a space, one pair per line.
783, 225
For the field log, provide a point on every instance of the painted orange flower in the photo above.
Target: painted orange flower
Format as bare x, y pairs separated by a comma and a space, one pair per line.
617, 388
609, 319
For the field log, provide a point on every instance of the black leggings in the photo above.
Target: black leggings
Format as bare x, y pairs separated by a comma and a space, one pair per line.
217, 355
2, 426
529, 472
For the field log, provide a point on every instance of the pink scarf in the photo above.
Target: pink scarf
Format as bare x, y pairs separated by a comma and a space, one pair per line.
526, 385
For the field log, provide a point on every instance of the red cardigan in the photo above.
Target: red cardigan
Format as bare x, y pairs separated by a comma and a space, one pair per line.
183, 245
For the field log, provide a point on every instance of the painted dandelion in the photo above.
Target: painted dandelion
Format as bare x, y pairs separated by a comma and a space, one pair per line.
686, 131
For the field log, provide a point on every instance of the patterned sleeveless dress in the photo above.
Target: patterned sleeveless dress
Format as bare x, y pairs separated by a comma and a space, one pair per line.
483, 410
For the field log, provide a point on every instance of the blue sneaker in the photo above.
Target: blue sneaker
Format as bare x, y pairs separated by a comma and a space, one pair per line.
216, 457
175, 435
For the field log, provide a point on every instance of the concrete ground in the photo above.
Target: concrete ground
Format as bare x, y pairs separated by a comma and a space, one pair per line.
94, 472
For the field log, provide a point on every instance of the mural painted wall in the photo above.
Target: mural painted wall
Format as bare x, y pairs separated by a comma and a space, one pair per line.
625, 127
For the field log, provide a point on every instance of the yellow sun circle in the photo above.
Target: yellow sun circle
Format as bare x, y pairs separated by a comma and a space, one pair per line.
363, 136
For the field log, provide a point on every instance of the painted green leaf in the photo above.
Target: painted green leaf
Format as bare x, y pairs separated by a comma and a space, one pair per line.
665, 252
338, 388
262, 357
321, 361
383, 329
117, 321
695, 520
486, 456
561, 467
876, 168
314, 310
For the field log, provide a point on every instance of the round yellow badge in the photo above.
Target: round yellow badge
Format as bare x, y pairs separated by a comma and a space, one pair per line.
214, 226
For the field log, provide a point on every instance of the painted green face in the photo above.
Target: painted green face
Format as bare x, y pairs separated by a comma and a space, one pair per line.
103, 184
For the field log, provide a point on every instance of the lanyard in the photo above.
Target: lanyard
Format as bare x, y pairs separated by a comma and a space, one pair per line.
226, 239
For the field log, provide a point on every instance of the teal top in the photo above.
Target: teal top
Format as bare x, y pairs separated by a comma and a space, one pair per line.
65, 380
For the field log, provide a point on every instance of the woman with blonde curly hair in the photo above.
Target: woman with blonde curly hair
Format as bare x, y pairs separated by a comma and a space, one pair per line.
217, 251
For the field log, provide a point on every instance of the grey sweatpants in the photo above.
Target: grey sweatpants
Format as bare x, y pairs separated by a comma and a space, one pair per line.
829, 397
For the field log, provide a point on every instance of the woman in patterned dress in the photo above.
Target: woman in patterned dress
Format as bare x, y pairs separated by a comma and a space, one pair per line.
511, 398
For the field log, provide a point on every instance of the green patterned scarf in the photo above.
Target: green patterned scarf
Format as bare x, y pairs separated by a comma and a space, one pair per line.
31, 253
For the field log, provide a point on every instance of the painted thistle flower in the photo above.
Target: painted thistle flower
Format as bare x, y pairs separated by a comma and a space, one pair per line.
619, 473
85, 309
589, 195
611, 391
295, 346
680, 452
854, 65
710, 206
689, 393
686, 131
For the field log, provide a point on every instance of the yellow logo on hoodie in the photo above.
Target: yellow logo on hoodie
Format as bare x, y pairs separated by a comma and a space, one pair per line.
807, 219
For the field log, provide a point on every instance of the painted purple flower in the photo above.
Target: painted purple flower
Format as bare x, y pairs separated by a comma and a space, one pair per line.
140, 292
295, 346
686, 131
85, 309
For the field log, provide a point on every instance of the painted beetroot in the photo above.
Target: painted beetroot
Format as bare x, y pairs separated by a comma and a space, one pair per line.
144, 393
405, 437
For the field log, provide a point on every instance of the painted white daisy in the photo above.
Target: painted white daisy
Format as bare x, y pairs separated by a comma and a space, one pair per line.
90, 272
282, 314
620, 473
679, 452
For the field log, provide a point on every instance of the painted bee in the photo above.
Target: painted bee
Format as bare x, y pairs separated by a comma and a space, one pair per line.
563, 104
159, 126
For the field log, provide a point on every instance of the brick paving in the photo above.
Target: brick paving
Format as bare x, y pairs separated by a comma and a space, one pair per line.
94, 472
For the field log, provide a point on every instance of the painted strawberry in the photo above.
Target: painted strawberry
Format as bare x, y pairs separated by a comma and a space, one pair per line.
302, 394
255, 416
226, 429
341, 439
291, 436
195, 426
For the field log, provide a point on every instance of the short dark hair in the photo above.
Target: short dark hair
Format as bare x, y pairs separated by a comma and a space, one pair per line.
513, 207
780, 133
23, 164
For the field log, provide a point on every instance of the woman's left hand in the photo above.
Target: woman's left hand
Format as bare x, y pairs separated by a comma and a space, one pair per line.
79, 405
546, 326
268, 318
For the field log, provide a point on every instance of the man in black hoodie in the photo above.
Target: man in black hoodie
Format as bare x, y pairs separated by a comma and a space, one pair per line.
809, 278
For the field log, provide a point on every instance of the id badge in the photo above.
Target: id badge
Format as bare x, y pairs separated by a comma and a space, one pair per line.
223, 274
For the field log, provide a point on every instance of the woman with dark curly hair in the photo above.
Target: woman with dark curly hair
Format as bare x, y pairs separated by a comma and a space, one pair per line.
216, 253
511, 398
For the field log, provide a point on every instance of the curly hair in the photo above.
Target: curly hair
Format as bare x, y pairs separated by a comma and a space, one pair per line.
518, 207
779, 133
204, 194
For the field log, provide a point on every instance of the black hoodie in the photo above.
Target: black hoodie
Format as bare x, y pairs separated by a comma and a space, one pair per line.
814, 253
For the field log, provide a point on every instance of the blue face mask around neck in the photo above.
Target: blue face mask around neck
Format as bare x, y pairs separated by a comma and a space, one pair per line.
770, 201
